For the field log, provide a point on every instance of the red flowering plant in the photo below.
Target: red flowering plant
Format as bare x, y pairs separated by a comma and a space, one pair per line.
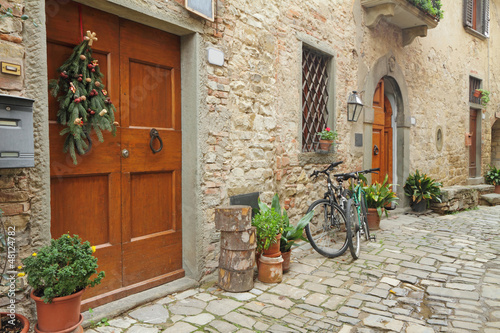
328, 134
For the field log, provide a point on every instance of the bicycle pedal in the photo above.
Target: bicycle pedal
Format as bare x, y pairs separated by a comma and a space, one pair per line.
373, 238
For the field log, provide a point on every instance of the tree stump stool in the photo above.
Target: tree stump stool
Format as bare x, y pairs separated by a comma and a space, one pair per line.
238, 243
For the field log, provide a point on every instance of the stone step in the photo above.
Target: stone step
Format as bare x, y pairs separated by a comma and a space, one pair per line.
492, 199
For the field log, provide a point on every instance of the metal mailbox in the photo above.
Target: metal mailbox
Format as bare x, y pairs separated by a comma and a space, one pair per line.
16, 132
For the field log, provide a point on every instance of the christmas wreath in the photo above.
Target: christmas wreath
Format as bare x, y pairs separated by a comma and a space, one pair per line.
84, 104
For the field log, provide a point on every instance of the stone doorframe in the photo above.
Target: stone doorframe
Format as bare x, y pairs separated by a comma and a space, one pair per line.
387, 68
192, 55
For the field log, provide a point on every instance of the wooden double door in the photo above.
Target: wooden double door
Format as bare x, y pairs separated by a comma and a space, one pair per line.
382, 135
121, 196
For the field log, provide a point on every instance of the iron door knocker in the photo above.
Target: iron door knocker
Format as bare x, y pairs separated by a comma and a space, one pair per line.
375, 150
155, 135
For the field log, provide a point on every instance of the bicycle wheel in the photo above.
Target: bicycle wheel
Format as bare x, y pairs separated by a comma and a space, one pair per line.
327, 230
364, 218
353, 229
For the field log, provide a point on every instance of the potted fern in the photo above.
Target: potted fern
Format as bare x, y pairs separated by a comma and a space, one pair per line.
421, 189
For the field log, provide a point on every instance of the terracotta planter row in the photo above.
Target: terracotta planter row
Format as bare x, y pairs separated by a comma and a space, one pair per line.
273, 263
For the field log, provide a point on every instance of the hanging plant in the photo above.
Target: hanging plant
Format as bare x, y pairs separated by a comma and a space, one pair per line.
84, 104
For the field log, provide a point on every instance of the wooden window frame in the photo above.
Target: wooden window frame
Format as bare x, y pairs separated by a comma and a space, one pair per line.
477, 17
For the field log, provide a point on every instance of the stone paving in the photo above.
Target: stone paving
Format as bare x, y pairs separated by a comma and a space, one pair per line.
425, 273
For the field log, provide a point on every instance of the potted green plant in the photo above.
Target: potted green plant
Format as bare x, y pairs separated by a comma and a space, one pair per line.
378, 196
269, 224
484, 94
290, 235
326, 138
11, 321
59, 273
492, 176
421, 189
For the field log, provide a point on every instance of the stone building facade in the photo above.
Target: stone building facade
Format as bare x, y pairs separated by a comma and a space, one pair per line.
242, 121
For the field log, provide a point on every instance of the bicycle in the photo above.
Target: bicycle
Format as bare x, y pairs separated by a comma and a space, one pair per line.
329, 229
356, 210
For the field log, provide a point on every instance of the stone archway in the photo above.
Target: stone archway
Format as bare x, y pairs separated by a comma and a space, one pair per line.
387, 68
495, 144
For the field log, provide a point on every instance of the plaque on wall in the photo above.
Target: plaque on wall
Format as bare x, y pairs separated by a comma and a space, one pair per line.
203, 8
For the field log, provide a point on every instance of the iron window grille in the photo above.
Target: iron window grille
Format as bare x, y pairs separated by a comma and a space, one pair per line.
315, 113
473, 85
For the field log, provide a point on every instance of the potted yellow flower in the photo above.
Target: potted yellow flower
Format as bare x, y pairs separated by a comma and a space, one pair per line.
59, 274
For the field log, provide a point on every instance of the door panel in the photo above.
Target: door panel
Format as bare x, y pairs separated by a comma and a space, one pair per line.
128, 207
382, 135
472, 147
150, 82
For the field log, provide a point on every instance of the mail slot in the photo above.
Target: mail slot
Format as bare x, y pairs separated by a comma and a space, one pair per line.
16, 132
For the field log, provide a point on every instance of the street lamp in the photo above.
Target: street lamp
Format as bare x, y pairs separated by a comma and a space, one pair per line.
354, 106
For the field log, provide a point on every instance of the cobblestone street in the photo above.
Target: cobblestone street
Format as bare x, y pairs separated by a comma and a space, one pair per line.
426, 273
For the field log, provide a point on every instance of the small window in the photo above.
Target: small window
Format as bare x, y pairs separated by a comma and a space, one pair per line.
477, 16
473, 85
315, 113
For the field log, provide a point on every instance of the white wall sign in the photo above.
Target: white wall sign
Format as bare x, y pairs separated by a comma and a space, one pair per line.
215, 57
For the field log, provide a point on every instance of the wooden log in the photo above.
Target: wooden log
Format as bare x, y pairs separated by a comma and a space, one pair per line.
238, 240
236, 281
236, 260
233, 218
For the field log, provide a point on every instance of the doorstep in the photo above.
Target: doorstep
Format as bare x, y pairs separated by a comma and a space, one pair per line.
116, 308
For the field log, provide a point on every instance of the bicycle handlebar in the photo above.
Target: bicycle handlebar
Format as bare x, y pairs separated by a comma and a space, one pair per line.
355, 175
330, 167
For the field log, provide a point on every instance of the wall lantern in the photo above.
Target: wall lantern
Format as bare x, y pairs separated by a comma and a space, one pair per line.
354, 106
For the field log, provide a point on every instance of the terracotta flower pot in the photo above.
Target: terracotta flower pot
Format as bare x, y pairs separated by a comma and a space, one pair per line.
62, 315
286, 260
477, 93
274, 249
373, 219
270, 269
325, 144
21, 318
497, 189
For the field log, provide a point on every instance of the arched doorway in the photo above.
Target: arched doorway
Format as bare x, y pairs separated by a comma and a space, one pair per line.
387, 119
495, 144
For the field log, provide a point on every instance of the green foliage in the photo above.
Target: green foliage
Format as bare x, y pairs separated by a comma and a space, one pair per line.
292, 233
485, 96
328, 134
431, 7
380, 195
421, 187
268, 223
84, 104
62, 268
492, 176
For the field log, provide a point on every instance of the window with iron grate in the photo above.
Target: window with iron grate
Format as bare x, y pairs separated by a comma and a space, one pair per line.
315, 113
477, 16
474, 84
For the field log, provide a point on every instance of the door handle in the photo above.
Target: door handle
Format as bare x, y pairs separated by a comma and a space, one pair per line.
155, 135
375, 150
125, 153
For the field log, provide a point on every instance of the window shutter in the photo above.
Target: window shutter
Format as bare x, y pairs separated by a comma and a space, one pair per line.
486, 17
468, 13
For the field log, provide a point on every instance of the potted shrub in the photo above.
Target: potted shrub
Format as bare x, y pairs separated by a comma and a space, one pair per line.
290, 235
326, 138
11, 321
492, 176
378, 196
59, 274
421, 189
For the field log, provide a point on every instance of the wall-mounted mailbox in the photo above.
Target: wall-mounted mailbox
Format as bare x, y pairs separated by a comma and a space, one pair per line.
16, 132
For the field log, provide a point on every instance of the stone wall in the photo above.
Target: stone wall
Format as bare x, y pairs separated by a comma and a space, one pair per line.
249, 118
